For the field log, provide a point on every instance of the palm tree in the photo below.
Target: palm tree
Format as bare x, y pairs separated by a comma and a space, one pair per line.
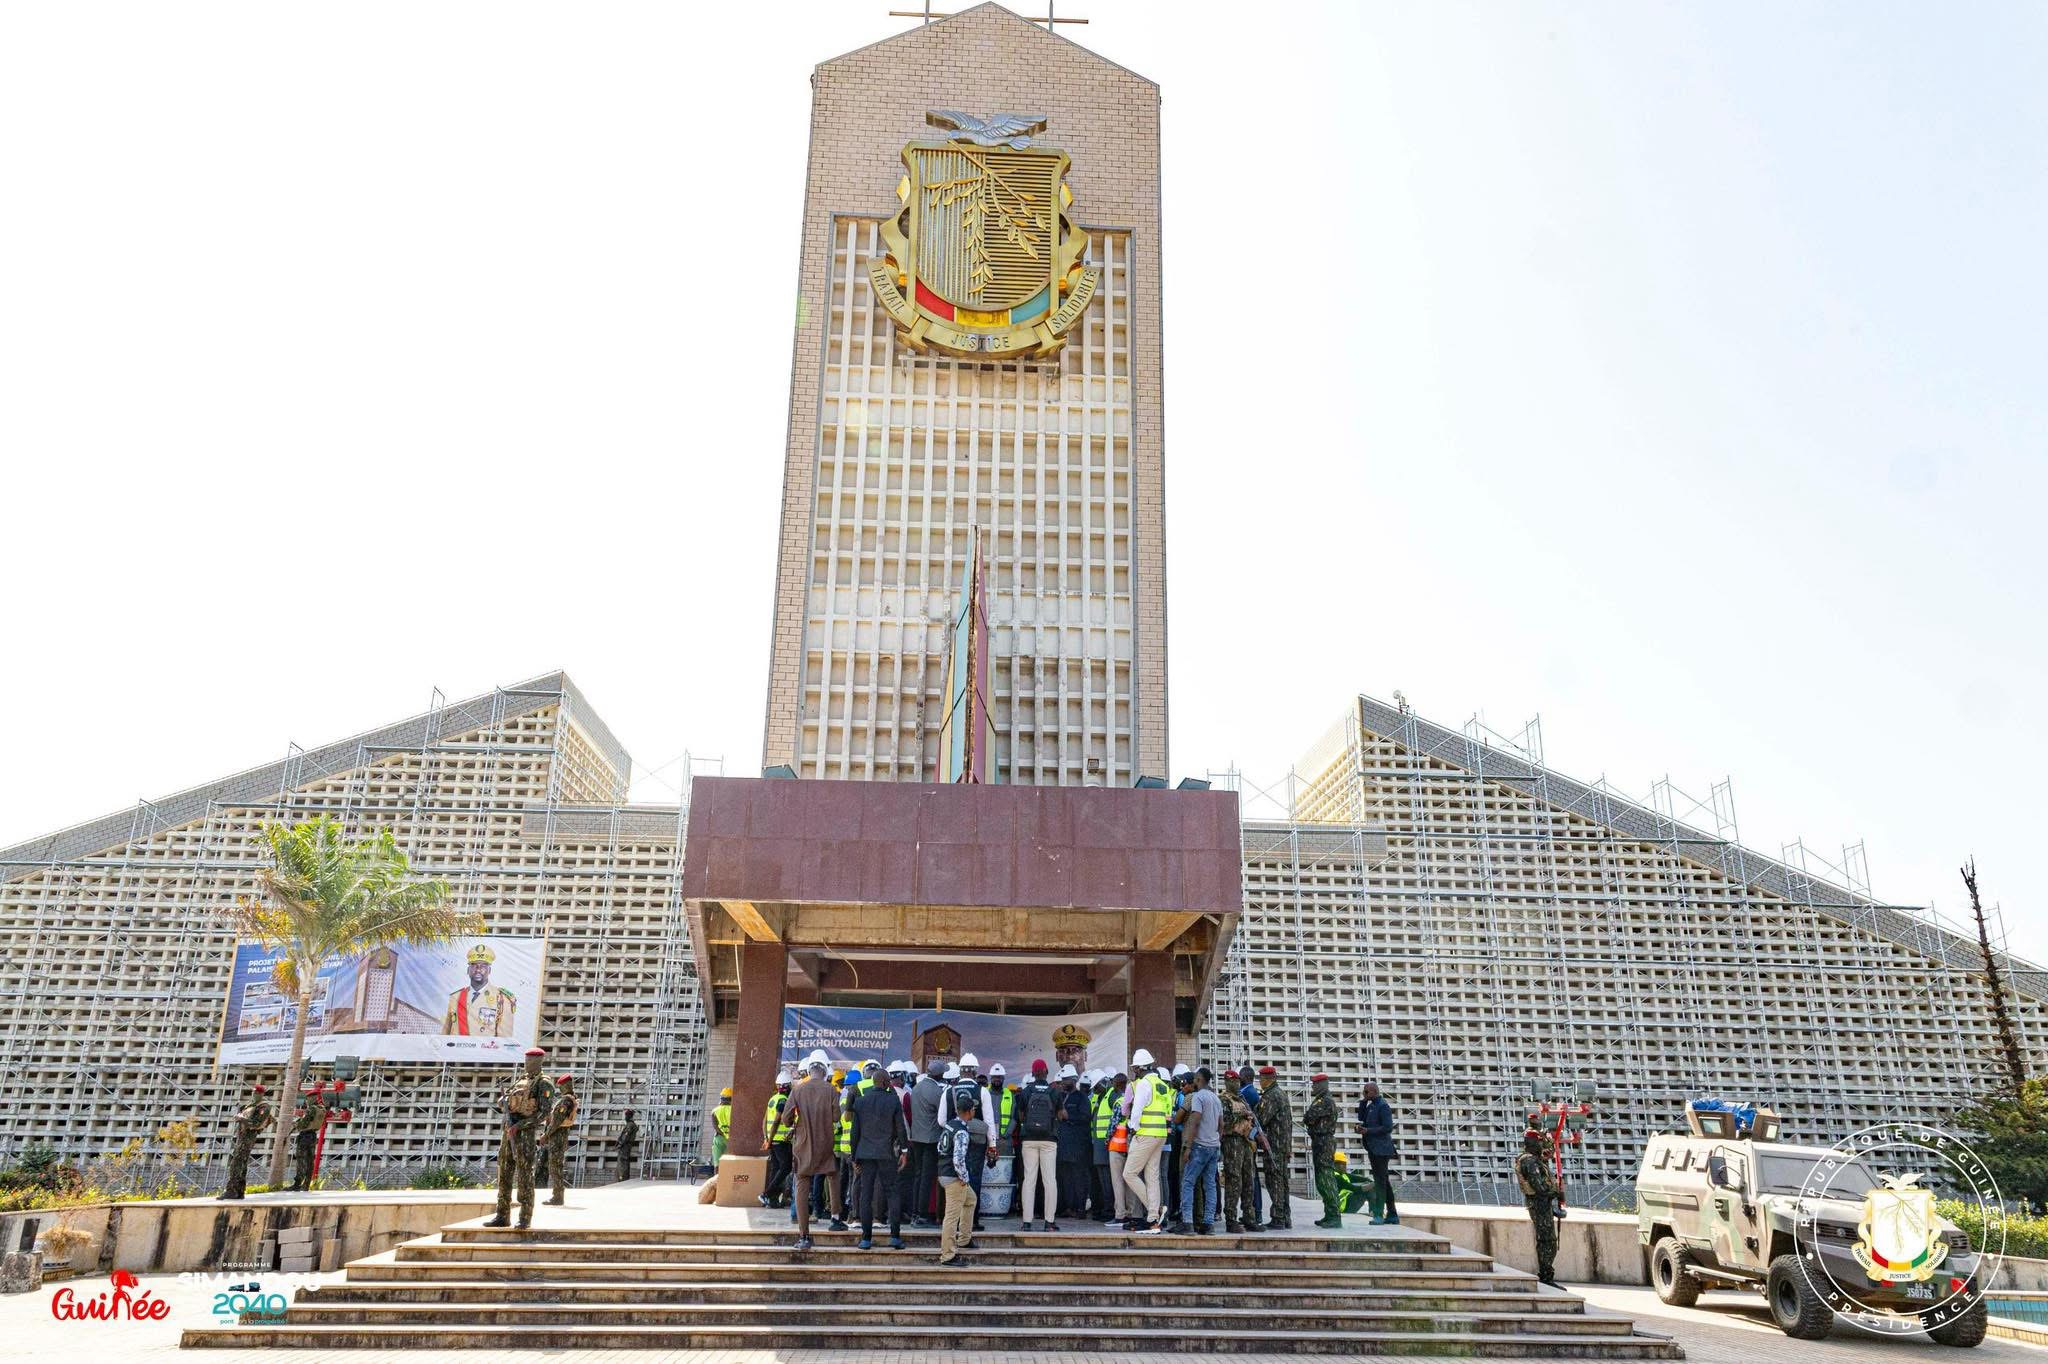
324, 895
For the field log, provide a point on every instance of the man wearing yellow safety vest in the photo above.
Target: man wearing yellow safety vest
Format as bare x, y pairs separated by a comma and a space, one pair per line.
1148, 1104
1108, 1193
1005, 1100
777, 1138
721, 1125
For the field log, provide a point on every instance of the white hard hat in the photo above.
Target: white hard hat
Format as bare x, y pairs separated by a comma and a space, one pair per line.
902, 1066
1163, 1076
781, 1077
1066, 1072
870, 1065
968, 1062
817, 1060
952, 1072
1141, 1057
997, 1069
1180, 1070
1089, 1077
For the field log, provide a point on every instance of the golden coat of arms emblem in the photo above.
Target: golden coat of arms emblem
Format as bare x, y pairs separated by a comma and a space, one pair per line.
1899, 1239
981, 259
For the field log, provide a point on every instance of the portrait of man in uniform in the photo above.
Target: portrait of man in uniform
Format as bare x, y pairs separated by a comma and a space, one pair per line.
479, 1009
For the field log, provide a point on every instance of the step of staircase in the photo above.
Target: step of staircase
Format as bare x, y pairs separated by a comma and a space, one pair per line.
891, 1267
564, 1287
901, 1339
969, 1316
853, 1292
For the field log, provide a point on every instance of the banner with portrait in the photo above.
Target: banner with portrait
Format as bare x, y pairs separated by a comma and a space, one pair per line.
473, 1000
851, 1036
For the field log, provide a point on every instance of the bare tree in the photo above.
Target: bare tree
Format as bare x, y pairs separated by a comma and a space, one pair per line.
2001, 1014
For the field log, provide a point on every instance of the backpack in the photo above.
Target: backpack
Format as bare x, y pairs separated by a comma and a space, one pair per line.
1036, 1124
952, 1131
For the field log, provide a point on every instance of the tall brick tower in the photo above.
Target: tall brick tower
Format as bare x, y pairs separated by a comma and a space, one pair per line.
914, 423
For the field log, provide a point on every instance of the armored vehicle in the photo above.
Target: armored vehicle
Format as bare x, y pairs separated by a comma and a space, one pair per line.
1718, 1206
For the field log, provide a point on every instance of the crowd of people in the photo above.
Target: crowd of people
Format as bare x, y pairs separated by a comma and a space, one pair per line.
1147, 1149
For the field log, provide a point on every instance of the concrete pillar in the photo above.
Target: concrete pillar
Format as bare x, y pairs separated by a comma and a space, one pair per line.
1152, 1004
764, 974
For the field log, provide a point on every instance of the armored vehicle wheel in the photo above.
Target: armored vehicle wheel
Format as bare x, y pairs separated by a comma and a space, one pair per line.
1667, 1271
1964, 1331
1798, 1310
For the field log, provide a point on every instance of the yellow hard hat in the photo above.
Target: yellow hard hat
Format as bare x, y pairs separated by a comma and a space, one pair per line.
482, 953
725, 1093
1341, 1158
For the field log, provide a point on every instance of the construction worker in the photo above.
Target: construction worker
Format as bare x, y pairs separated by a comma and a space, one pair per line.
1321, 1122
777, 1138
1176, 1143
721, 1125
1277, 1118
1544, 1199
1108, 1196
1003, 1141
870, 1072
848, 1097
1119, 1151
1148, 1107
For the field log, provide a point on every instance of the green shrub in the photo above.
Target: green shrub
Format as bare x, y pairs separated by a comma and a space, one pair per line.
440, 1177
2025, 1236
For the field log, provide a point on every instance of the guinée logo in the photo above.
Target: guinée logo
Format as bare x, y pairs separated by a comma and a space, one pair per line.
118, 1302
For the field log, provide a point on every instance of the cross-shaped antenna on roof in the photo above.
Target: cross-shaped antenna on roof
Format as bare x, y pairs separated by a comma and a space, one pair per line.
927, 14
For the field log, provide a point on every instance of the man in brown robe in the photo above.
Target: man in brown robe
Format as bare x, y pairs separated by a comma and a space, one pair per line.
812, 1118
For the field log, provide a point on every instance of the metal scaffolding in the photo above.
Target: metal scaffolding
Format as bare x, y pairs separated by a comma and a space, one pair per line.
113, 931
1438, 909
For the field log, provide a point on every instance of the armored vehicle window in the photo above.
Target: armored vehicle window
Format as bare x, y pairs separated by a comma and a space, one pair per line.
1790, 1174
1662, 1159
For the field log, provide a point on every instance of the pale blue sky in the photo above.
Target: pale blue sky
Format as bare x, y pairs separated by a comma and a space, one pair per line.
1673, 371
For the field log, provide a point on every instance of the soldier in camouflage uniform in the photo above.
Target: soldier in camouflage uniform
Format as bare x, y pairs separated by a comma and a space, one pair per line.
311, 1117
1240, 1168
524, 1105
561, 1121
1277, 1118
1321, 1122
626, 1145
252, 1120
1543, 1197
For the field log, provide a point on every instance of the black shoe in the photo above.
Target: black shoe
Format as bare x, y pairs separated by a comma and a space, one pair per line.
1176, 1228
1331, 1223
1052, 1226
1234, 1228
499, 1222
1279, 1226
1205, 1228
837, 1225
803, 1243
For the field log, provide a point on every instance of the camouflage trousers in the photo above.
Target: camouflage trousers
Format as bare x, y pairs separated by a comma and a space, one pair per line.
517, 1152
1276, 1186
303, 1146
1543, 1217
1240, 1176
558, 1161
1328, 1187
238, 1172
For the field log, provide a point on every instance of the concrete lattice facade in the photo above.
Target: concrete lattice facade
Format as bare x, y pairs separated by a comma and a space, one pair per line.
1456, 920
114, 956
893, 459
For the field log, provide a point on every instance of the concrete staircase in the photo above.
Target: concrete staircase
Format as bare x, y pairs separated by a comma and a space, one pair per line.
1267, 1293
